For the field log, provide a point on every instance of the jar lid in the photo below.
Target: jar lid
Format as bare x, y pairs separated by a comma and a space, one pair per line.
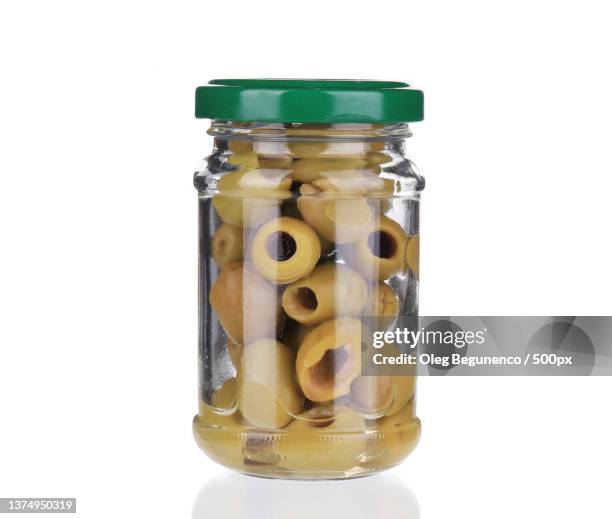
309, 101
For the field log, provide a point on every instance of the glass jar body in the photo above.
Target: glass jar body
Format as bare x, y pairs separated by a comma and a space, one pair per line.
308, 236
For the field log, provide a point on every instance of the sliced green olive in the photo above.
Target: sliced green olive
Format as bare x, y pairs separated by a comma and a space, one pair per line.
381, 253
268, 395
285, 249
330, 290
329, 359
227, 245
247, 306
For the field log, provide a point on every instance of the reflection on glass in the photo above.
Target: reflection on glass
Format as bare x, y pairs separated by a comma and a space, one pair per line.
234, 496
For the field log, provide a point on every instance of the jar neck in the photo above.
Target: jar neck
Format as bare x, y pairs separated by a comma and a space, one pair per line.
337, 132
306, 150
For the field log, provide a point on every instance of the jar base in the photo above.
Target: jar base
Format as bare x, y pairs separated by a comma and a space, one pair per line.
329, 455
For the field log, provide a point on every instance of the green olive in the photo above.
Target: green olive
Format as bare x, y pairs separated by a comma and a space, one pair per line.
378, 158
309, 170
310, 130
227, 245
402, 386
268, 395
246, 212
412, 254
291, 210
245, 161
382, 303
336, 219
275, 162
285, 249
247, 198
324, 439
361, 184
247, 306
372, 394
307, 149
403, 393
381, 253
329, 359
353, 183
330, 290
240, 146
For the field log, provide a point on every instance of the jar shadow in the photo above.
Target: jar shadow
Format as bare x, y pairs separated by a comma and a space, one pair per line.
236, 496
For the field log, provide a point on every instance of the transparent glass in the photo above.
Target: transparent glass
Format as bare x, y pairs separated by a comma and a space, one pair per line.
307, 234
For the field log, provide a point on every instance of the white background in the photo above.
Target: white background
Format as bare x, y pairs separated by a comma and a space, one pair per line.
98, 241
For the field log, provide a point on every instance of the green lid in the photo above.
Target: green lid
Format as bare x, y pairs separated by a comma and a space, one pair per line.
309, 101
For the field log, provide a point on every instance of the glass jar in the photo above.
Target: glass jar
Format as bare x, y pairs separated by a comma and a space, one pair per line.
308, 239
